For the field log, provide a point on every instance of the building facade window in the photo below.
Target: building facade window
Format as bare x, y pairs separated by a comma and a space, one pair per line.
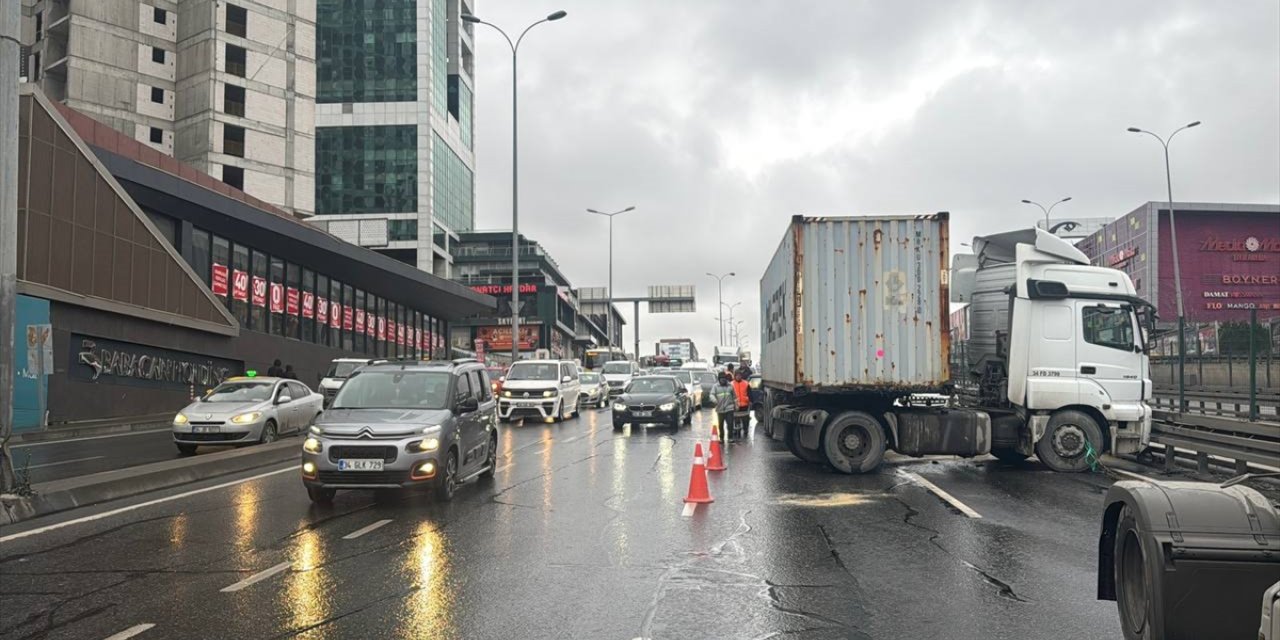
39, 26
233, 140
157, 55
402, 229
366, 51
259, 292
366, 169
460, 106
157, 135
308, 304
236, 60
233, 176
322, 309
157, 95
292, 298
239, 286
159, 16
237, 20
222, 261
439, 57
233, 100
453, 189
200, 262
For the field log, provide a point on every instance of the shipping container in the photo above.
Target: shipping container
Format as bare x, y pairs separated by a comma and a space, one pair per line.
858, 303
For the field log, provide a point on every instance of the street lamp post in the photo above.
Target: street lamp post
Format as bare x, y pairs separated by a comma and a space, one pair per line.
1047, 211
1177, 271
608, 312
720, 291
515, 182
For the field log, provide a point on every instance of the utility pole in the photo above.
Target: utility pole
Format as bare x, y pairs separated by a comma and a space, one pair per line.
608, 322
10, 19
720, 292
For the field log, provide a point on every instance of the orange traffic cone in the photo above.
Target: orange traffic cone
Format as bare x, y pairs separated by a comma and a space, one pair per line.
716, 463
698, 491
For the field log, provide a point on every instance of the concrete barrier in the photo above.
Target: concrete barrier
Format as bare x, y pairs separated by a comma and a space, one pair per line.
70, 493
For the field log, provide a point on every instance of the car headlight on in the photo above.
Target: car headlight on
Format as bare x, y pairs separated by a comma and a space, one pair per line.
619, 407
180, 419
246, 418
428, 444
670, 406
311, 445
548, 394
506, 394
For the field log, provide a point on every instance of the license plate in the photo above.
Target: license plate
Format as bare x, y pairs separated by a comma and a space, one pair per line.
642, 414
205, 429
359, 464
528, 403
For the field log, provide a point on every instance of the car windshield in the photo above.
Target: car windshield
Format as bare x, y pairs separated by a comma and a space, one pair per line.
706, 378
590, 378
683, 376
534, 371
241, 392
651, 385
617, 367
342, 369
394, 390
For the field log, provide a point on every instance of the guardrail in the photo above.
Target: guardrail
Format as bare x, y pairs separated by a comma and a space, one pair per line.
1245, 442
1225, 402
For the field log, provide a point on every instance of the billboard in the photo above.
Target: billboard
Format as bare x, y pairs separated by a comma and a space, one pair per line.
499, 338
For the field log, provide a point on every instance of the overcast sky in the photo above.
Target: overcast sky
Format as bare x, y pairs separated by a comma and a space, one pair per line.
720, 119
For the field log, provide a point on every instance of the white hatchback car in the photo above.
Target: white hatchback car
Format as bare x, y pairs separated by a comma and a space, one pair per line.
544, 389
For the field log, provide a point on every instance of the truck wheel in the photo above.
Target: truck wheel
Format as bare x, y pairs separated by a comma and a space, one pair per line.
1011, 456
1067, 441
1133, 585
853, 443
791, 437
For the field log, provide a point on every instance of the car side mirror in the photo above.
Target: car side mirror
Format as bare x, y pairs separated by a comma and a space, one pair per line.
467, 405
566, 379
284, 399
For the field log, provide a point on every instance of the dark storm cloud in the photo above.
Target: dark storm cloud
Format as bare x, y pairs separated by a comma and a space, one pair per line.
720, 120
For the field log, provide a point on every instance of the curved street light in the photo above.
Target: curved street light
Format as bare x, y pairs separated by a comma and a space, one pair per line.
720, 290
608, 312
515, 182
1047, 211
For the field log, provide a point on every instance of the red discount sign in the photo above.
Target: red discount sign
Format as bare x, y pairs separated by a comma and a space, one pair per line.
240, 285
219, 282
348, 318
277, 297
259, 291
308, 304
359, 320
291, 301
335, 314
322, 311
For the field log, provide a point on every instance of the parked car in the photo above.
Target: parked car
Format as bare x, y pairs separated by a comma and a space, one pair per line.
339, 370
246, 410
543, 389
653, 400
593, 393
402, 425
617, 374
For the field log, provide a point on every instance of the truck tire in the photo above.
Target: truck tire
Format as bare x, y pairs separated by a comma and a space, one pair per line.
791, 436
1134, 588
853, 442
1067, 440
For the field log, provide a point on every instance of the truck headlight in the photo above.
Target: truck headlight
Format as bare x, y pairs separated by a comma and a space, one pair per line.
670, 406
246, 418
311, 445
619, 407
548, 394
180, 419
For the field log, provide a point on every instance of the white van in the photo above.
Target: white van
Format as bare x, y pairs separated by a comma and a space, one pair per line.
617, 374
542, 389
339, 370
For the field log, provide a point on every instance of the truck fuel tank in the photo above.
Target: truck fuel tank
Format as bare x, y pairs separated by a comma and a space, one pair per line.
930, 431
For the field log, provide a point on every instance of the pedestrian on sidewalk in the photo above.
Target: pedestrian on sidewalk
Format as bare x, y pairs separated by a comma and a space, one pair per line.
289, 373
726, 402
275, 370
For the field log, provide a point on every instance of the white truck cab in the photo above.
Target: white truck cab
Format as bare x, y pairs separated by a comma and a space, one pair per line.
339, 370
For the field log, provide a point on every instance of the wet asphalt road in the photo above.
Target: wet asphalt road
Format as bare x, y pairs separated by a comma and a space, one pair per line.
581, 535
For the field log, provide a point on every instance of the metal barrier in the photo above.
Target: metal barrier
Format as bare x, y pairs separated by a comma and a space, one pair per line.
1231, 402
1246, 442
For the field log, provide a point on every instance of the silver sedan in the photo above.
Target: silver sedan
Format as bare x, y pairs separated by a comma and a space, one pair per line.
244, 411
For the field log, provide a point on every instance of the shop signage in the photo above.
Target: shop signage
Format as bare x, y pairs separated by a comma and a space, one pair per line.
219, 281
259, 291
1245, 279
1122, 256
523, 320
370, 327
322, 311
499, 338
335, 314
277, 297
101, 360
240, 285
400, 334
500, 289
308, 304
1251, 244
382, 328
359, 320
348, 318
292, 298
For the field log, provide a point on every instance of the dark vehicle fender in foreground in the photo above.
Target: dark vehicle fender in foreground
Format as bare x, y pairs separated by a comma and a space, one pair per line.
1202, 556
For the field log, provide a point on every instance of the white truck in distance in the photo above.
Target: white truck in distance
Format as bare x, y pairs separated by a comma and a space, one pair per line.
722, 355
857, 355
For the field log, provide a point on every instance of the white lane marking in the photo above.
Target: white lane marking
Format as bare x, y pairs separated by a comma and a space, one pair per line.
950, 499
131, 631
359, 532
257, 577
54, 464
140, 505
1134, 476
689, 508
109, 435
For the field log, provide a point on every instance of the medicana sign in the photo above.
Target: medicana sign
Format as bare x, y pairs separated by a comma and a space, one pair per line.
101, 360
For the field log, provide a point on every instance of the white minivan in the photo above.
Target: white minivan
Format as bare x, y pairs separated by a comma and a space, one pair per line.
617, 374
541, 389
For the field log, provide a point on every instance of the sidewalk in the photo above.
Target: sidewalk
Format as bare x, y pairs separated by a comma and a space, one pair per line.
90, 428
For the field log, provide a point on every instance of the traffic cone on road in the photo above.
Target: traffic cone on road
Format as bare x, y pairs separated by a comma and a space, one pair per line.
698, 491
716, 463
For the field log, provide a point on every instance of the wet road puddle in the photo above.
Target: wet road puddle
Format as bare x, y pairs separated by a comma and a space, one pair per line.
828, 499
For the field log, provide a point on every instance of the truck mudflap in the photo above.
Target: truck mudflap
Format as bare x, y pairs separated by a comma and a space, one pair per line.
1187, 559
806, 421
960, 432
